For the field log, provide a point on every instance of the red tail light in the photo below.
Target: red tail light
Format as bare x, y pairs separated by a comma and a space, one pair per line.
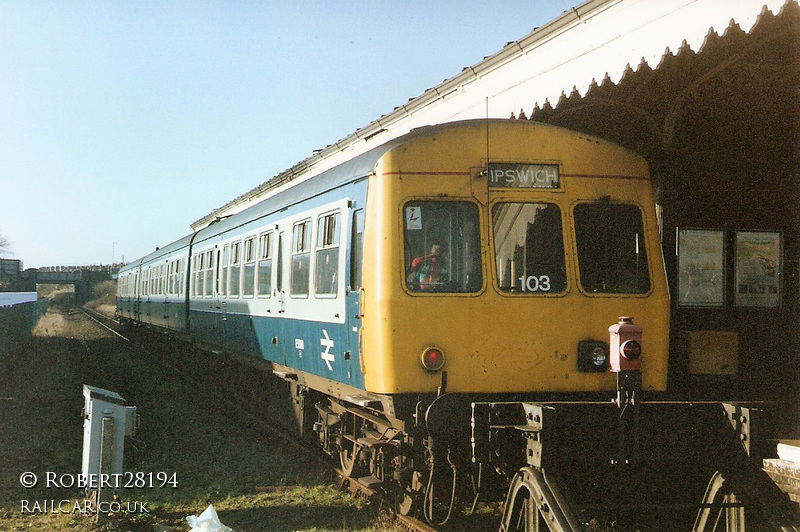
432, 359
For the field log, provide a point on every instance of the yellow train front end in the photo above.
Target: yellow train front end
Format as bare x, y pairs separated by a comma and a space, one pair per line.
499, 253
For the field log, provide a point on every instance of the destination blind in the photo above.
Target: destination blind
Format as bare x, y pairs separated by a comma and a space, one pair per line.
514, 175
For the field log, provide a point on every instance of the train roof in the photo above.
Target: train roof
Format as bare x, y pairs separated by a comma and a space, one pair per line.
357, 168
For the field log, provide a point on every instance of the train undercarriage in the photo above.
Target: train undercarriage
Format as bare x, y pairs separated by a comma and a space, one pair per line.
618, 464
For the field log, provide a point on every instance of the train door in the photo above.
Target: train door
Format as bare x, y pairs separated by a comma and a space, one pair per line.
137, 296
353, 298
280, 292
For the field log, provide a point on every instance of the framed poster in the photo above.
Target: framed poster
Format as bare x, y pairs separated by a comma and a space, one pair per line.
701, 268
758, 268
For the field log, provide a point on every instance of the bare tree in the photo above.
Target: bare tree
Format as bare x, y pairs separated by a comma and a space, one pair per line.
5, 246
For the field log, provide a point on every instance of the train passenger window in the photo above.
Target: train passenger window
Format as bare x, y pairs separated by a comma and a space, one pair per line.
171, 278
529, 248
265, 264
209, 274
182, 275
199, 266
357, 249
326, 268
236, 266
249, 278
442, 247
301, 258
279, 275
223, 282
611, 251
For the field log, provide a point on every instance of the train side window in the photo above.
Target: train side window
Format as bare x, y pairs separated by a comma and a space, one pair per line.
442, 247
223, 282
182, 275
301, 258
326, 268
529, 248
279, 275
357, 249
199, 266
249, 277
611, 248
209, 274
236, 267
265, 264
171, 278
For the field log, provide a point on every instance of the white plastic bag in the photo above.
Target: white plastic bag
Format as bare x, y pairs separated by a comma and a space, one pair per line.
207, 522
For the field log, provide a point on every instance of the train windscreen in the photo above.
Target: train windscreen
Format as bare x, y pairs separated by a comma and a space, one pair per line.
611, 248
529, 248
442, 247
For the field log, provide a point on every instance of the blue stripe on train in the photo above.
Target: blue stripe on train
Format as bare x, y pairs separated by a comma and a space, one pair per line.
328, 350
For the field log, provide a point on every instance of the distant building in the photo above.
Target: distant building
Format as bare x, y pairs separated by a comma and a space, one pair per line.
10, 274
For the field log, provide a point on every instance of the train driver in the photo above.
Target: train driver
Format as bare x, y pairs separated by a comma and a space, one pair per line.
429, 272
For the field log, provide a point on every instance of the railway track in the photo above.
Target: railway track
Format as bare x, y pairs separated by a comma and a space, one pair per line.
342, 481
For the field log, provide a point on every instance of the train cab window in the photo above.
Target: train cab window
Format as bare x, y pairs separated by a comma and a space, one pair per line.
326, 268
235, 269
357, 249
529, 248
611, 251
265, 264
301, 258
442, 247
249, 277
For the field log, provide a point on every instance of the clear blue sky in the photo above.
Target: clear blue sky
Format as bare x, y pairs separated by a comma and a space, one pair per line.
121, 122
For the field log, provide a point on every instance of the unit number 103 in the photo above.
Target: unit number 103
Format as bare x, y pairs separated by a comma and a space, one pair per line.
533, 283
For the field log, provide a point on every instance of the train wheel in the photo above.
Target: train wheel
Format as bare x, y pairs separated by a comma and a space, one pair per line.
410, 495
349, 448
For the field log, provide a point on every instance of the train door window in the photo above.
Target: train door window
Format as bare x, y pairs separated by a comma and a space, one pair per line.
249, 277
182, 275
236, 266
264, 264
529, 248
176, 277
171, 278
357, 249
442, 247
197, 266
301, 258
208, 277
611, 253
279, 275
223, 282
326, 267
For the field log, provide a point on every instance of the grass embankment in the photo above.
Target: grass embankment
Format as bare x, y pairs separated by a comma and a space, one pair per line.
218, 452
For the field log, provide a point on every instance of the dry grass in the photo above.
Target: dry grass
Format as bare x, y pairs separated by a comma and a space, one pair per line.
219, 452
